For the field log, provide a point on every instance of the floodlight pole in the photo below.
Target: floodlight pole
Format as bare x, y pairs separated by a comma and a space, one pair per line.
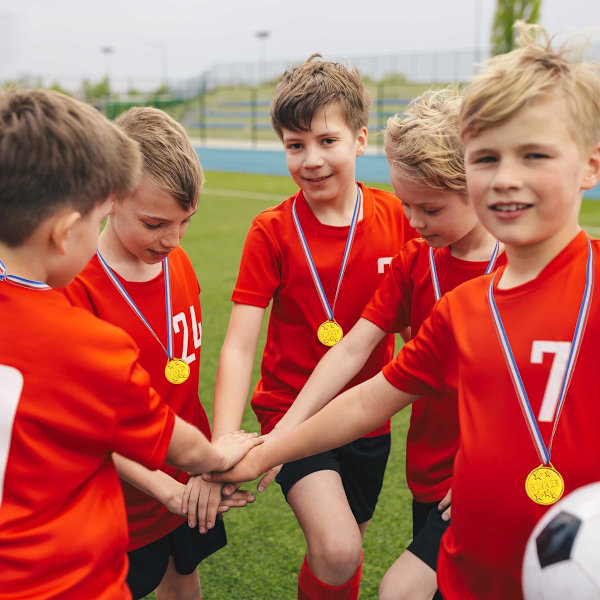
163, 62
262, 38
107, 51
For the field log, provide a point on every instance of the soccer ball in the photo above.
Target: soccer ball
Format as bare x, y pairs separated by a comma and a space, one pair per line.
562, 556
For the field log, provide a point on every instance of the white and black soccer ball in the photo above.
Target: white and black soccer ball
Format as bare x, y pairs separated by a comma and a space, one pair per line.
562, 556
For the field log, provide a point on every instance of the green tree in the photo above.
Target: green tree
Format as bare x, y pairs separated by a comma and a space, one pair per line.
507, 12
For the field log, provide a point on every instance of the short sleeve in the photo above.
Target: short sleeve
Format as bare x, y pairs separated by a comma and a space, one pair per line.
427, 364
389, 308
260, 267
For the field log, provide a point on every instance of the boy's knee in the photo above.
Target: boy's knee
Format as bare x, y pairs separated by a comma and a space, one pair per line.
338, 553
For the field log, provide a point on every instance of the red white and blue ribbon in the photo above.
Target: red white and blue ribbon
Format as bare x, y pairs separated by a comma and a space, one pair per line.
434, 275
21, 281
114, 279
544, 453
329, 310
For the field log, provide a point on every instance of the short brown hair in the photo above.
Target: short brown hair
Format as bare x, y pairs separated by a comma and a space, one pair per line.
169, 158
54, 152
423, 145
532, 71
304, 89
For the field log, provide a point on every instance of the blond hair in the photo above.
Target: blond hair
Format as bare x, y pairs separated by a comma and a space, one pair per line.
169, 158
532, 71
313, 85
423, 144
54, 152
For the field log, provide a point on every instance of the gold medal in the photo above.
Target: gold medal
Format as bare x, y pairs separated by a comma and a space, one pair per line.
177, 370
544, 485
330, 333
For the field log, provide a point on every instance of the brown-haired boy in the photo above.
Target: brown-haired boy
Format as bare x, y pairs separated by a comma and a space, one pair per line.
71, 387
136, 249
520, 346
318, 257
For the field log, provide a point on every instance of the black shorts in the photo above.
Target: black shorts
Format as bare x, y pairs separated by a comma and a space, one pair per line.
187, 546
428, 528
360, 464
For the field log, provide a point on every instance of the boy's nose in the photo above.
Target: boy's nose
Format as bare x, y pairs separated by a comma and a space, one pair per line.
416, 221
313, 159
171, 238
506, 177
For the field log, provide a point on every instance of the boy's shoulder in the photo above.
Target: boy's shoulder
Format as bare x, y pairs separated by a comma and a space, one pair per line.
50, 317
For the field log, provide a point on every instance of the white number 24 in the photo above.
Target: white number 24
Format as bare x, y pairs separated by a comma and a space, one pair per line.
179, 324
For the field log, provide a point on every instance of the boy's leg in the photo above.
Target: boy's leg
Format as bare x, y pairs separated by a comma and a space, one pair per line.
333, 495
175, 586
334, 541
187, 548
413, 574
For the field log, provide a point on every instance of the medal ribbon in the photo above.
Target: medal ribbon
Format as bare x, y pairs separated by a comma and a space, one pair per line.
434, 276
21, 281
111, 275
544, 453
311, 264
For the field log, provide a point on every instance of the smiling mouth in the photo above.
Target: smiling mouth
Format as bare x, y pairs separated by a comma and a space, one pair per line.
317, 179
515, 206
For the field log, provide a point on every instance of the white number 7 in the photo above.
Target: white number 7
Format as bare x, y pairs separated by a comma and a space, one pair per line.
557, 372
11, 384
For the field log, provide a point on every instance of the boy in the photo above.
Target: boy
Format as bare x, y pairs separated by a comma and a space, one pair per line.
71, 388
138, 245
427, 170
530, 123
318, 256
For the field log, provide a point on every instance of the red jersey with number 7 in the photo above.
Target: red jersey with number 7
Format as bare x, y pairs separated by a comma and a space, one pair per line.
457, 350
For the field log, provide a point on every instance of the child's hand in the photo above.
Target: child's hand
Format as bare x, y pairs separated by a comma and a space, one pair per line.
271, 473
246, 469
234, 445
445, 504
172, 496
238, 499
201, 503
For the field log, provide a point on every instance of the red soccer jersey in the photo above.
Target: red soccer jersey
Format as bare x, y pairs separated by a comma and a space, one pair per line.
76, 392
404, 298
148, 519
457, 347
274, 266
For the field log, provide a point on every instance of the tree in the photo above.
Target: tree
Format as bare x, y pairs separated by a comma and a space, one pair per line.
507, 12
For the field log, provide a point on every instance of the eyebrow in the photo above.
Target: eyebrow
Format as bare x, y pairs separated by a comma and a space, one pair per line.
166, 220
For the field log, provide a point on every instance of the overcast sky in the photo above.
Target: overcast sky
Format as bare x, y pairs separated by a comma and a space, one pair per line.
62, 39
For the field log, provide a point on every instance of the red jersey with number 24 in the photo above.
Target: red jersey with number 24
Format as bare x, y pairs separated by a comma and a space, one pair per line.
148, 519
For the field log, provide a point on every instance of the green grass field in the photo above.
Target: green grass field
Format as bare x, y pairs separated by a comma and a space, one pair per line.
266, 546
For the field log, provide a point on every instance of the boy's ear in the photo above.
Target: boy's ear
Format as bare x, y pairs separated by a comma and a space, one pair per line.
361, 140
62, 227
591, 175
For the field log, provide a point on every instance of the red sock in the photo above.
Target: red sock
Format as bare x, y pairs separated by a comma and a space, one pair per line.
311, 588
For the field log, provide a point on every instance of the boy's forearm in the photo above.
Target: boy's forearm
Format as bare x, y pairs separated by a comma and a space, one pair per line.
157, 484
189, 450
351, 415
232, 386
